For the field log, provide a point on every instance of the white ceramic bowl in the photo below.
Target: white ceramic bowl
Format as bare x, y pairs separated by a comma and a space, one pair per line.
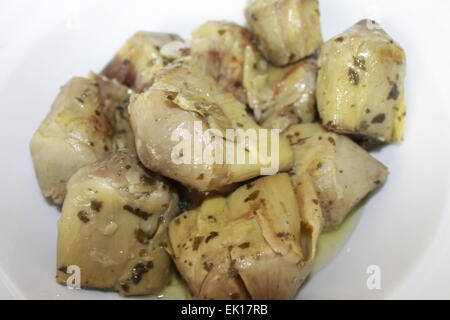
403, 229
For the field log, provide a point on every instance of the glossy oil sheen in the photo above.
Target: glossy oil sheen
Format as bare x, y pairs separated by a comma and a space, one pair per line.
332, 242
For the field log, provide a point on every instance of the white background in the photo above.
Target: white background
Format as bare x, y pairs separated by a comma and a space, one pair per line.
404, 228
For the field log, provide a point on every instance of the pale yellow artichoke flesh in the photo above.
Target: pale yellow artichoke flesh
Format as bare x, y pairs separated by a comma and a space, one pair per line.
286, 31
280, 97
75, 133
257, 243
114, 226
136, 62
342, 172
219, 48
360, 86
175, 105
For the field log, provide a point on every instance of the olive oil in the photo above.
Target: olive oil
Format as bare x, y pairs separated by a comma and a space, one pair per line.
332, 242
175, 290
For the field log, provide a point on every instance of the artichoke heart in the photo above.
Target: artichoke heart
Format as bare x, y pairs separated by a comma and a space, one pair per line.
75, 133
360, 86
114, 227
172, 121
286, 31
258, 243
341, 171
136, 62
280, 97
219, 47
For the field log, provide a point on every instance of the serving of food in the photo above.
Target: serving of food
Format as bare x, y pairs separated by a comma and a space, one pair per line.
138, 212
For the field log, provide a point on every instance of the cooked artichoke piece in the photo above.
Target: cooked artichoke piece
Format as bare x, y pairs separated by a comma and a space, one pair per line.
114, 227
360, 86
342, 172
219, 47
139, 58
280, 97
74, 134
254, 244
116, 99
285, 30
171, 122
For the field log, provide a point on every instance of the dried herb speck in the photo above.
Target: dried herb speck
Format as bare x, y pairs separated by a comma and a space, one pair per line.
137, 212
81, 101
394, 93
211, 236
353, 76
197, 242
83, 216
379, 118
245, 245
139, 270
283, 235
208, 266
254, 195
63, 269
96, 205
141, 236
